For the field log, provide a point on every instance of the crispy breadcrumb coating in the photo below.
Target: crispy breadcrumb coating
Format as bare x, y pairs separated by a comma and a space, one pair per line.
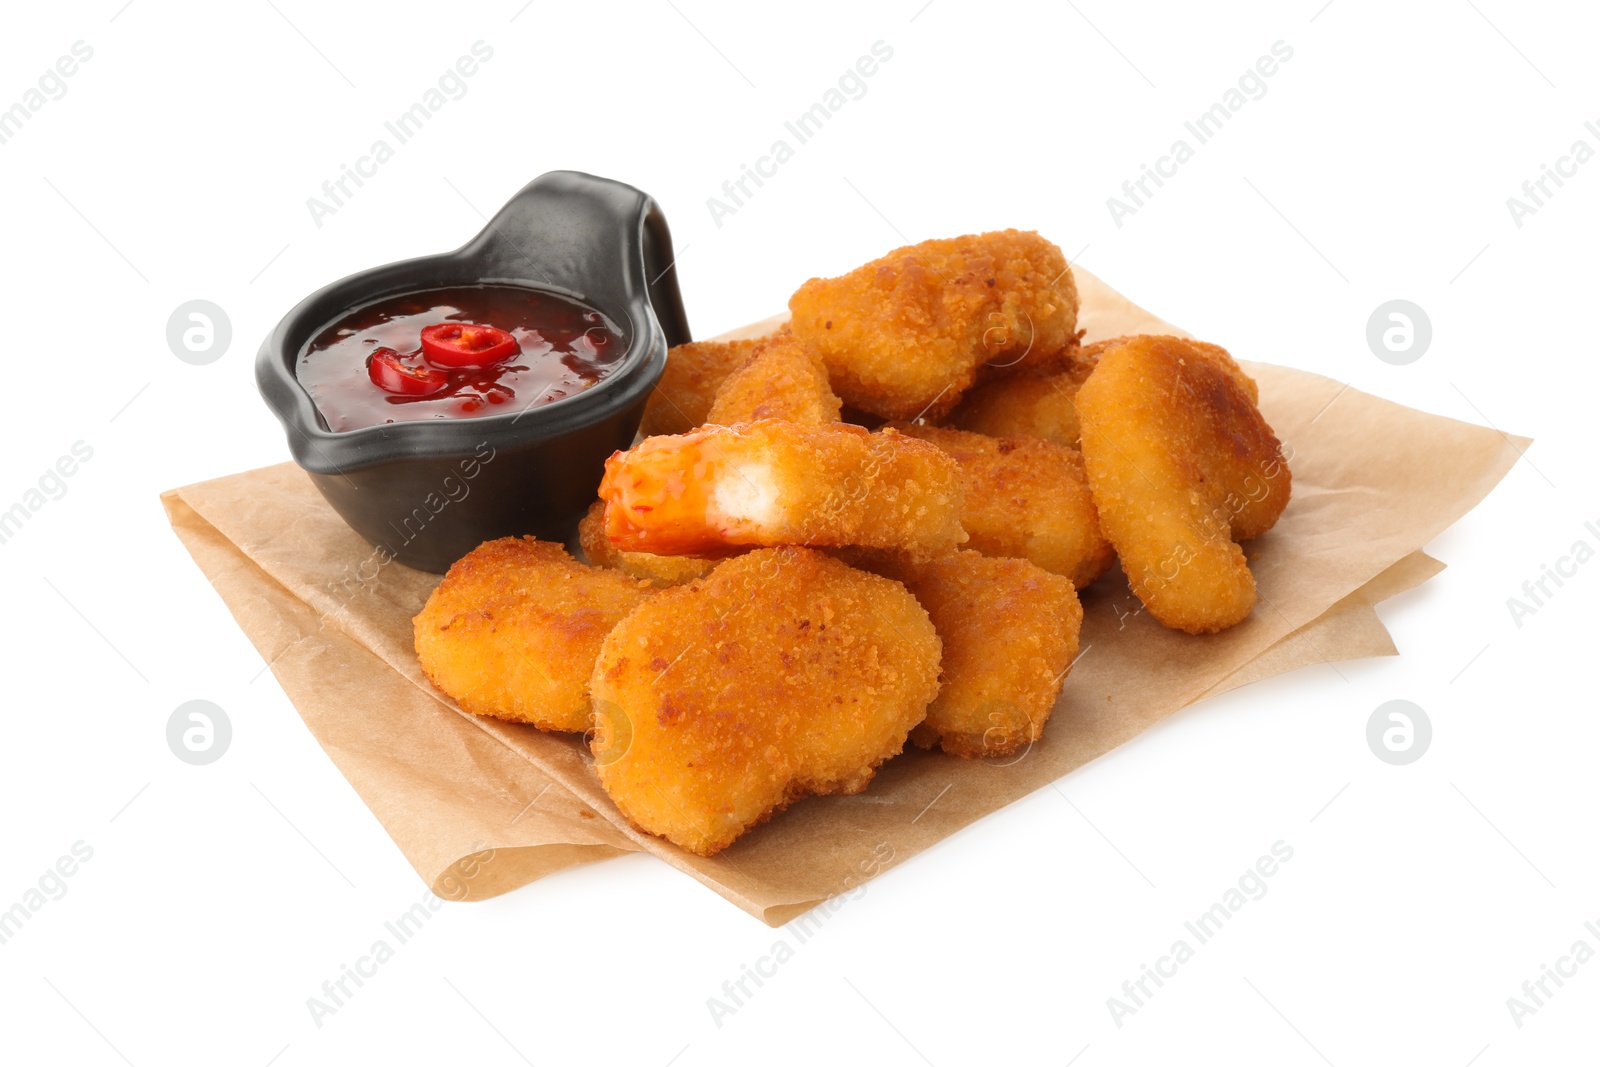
1029, 405
1010, 633
683, 397
784, 379
659, 571
1182, 465
513, 630
905, 335
784, 674
1025, 497
780, 483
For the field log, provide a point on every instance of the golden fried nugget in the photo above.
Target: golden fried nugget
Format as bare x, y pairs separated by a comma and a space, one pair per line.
1026, 405
780, 483
1182, 465
904, 336
785, 673
1025, 497
1010, 633
513, 630
660, 571
683, 397
785, 379
1030, 362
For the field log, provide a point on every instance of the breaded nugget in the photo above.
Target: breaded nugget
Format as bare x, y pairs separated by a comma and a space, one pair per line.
784, 379
1025, 497
660, 571
1010, 633
1029, 405
780, 483
683, 397
904, 336
785, 673
1181, 464
513, 630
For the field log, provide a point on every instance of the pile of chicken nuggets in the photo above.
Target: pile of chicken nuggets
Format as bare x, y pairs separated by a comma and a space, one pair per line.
866, 528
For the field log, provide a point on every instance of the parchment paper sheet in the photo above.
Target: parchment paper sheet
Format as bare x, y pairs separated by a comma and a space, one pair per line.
480, 807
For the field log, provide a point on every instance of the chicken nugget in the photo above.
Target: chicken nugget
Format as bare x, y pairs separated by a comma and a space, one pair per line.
1010, 633
1182, 465
683, 397
659, 571
785, 379
784, 674
780, 483
1025, 497
1029, 405
513, 630
905, 335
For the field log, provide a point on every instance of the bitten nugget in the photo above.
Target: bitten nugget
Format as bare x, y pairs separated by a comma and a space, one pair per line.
904, 336
785, 673
683, 397
780, 483
1010, 632
660, 571
1029, 405
1025, 497
513, 630
1182, 465
785, 380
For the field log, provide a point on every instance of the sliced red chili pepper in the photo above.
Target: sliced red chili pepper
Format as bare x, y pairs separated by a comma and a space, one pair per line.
465, 344
392, 376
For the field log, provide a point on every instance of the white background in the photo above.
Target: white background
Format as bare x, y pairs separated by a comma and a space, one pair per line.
177, 166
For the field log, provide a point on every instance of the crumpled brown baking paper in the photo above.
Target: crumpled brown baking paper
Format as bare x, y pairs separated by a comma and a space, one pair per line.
480, 807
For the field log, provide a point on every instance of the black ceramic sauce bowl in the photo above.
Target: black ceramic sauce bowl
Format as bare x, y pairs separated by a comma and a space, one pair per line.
426, 493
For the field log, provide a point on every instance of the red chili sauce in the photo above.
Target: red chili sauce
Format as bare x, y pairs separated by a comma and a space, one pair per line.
460, 353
